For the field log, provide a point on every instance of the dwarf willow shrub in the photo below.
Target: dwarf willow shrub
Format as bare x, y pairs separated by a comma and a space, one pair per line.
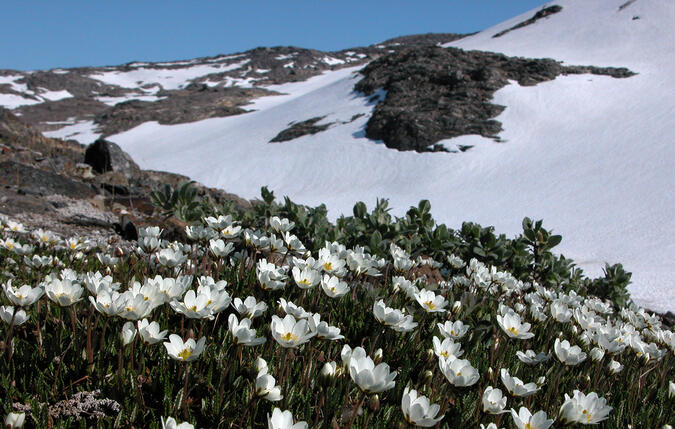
528, 256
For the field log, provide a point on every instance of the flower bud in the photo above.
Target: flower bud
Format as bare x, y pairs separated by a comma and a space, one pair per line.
667, 426
128, 333
329, 370
575, 330
519, 307
374, 402
541, 380
671, 390
597, 353
456, 307
491, 373
430, 354
260, 364
585, 339
377, 356
428, 376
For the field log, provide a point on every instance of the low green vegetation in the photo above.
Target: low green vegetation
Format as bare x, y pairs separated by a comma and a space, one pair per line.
340, 324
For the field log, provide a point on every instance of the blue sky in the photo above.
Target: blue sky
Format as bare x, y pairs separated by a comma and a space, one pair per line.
44, 34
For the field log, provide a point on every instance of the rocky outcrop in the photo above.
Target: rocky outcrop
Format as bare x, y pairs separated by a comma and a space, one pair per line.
543, 13
105, 156
300, 129
115, 100
435, 93
45, 184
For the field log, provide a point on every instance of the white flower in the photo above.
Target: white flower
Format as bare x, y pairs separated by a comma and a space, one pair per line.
532, 358
323, 330
171, 258
447, 347
24, 295
14, 420
108, 260
306, 278
150, 332
170, 423
431, 302
494, 401
108, 303
331, 263
569, 355
291, 333
230, 231
270, 276
135, 307
459, 372
418, 411
249, 307
370, 378
513, 327
128, 333
456, 329
64, 292
184, 351
584, 409
293, 243
219, 248
393, 318
524, 419
597, 353
193, 306
283, 420
615, 367
333, 286
515, 385
281, 225
8, 312
242, 332
671, 389
560, 311
294, 310
265, 386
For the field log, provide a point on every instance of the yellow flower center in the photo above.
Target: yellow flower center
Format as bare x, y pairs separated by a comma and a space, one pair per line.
185, 353
459, 373
430, 305
127, 308
529, 426
453, 333
513, 330
288, 336
445, 354
193, 308
304, 282
328, 266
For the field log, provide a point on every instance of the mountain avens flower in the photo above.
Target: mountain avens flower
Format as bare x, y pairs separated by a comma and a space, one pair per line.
418, 410
584, 409
184, 351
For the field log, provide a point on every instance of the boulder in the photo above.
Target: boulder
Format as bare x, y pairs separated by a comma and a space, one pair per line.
104, 156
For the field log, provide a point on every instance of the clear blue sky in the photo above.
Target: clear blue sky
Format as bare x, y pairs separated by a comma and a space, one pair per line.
42, 34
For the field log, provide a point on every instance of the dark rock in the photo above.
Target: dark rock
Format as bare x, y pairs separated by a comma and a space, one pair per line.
543, 13
435, 93
33, 181
104, 156
126, 228
300, 129
84, 220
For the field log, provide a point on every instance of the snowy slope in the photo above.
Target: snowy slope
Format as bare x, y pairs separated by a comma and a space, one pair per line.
591, 155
